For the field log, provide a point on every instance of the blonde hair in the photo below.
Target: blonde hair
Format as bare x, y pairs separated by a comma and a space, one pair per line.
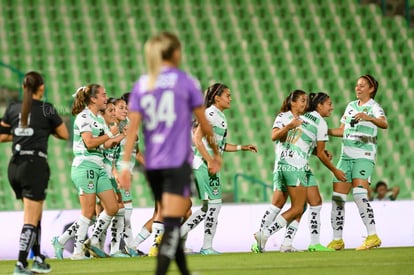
159, 48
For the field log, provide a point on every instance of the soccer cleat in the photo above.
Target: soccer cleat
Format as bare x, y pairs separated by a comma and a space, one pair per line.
319, 247
260, 240
209, 251
94, 250
119, 254
371, 241
131, 251
58, 247
337, 244
42, 268
153, 252
287, 248
79, 257
255, 248
21, 270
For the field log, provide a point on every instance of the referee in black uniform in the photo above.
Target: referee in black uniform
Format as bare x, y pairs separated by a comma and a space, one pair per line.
28, 125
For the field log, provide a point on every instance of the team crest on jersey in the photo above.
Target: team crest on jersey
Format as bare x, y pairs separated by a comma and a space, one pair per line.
90, 185
215, 191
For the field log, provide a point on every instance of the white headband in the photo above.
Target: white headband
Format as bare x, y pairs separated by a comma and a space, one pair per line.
78, 90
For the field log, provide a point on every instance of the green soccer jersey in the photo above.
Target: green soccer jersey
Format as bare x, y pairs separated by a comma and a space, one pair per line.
121, 150
218, 122
301, 140
281, 120
86, 121
360, 139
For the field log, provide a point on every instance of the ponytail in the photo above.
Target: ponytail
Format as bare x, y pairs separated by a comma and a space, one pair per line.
31, 84
83, 97
154, 60
158, 49
292, 97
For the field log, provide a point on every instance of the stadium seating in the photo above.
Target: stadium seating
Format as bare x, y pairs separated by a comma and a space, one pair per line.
261, 49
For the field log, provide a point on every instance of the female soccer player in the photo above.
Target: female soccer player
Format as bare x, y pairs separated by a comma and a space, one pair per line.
90, 178
164, 100
217, 99
288, 118
359, 128
292, 172
28, 125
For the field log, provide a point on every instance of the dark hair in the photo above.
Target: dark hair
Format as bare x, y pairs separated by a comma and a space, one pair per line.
31, 84
372, 83
292, 97
379, 184
211, 92
125, 97
83, 97
315, 99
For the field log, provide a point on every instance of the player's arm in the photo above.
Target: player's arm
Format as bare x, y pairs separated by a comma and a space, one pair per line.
234, 148
324, 158
337, 132
207, 131
5, 132
93, 142
280, 133
61, 132
380, 122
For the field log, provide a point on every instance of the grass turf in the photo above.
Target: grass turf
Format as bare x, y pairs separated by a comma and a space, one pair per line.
376, 261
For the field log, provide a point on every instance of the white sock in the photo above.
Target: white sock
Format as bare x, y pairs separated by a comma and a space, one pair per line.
157, 229
69, 233
338, 214
290, 233
279, 223
210, 222
365, 210
117, 229
128, 235
195, 219
269, 216
101, 225
140, 237
315, 224
80, 235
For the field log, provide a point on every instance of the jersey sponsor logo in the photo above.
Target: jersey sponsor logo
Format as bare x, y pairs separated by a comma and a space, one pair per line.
311, 117
23, 132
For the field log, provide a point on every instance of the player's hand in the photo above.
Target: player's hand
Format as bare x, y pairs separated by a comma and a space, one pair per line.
328, 154
249, 147
124, 180
214, 165
297, 121
362, 116
340, 175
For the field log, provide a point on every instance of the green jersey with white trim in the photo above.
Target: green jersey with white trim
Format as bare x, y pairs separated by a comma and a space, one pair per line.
218, 122
360, 139
121, 150
86, 121
281, 120
301, 140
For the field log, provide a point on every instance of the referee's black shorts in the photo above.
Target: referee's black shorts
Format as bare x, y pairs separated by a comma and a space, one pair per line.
173, 180
29, 176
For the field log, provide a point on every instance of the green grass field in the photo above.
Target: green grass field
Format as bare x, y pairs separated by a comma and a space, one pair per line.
377, 261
